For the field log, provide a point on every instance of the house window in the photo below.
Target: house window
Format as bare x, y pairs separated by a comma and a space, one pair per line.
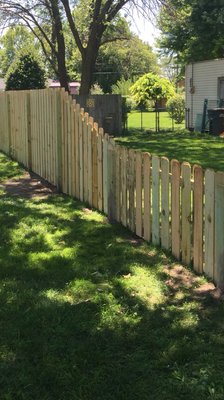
221, 87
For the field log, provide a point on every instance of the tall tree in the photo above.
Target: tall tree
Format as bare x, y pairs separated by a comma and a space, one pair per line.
192, 29
15, 40
36, 14
44, 18
128, 59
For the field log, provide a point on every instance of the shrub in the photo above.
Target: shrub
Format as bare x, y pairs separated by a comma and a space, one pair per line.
122, 87
25, 73
151, 87
176, 108
131, 103
96, 89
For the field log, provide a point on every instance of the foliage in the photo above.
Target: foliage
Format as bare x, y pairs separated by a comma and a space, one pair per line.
122, 87
152, 87
90, 24
96, 89
25, 73
89, 312
124, 60
131, 103
128, 104
16, 39
192, 29
176, 108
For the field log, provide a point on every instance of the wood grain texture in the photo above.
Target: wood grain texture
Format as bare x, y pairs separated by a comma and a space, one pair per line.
209, 223
165, 202
94, 165
219, 230
139, 193
156, 200
111, 181
147, 195
186, 213
100, 168
198, 219
124, 157
175, 208
105, 172
118, 182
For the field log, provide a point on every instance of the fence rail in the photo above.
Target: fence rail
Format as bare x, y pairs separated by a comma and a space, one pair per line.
175, 206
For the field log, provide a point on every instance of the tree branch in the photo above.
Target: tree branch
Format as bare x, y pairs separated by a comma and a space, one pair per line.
72, 26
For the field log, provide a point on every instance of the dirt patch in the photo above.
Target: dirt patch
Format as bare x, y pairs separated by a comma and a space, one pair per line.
179, 277
28, 186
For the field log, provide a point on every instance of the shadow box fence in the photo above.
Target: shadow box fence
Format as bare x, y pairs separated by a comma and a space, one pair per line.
175, 206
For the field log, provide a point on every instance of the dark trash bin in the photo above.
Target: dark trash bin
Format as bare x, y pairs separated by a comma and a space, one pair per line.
216, 121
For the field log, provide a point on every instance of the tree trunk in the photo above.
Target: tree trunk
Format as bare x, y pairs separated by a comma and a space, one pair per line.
62, 70
89, 59
88, 66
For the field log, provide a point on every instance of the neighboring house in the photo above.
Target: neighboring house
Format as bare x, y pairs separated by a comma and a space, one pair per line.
203, 80
73, 86
2, 85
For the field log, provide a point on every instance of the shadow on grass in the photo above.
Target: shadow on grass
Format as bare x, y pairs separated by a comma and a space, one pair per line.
195, 148
8, 168
85, 313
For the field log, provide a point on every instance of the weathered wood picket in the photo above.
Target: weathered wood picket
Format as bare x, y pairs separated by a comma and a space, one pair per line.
177, 207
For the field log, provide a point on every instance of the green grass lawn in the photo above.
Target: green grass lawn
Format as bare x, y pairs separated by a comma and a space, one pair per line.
148, 121
195, 148
86, 312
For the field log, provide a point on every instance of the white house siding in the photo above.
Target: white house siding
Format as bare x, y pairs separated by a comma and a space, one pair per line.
201, 83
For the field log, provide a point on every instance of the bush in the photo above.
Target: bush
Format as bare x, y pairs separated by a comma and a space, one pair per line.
96, 89
176, 108
131, 104
151, 87
25, 73
122, 87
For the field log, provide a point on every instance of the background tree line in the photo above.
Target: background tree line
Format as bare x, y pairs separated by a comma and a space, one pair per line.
67, 31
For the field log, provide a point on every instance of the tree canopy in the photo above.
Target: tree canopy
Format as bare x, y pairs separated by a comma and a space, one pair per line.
192, 29
116, 59
127, 59
152, 87
25, 73
46, 19
16, 40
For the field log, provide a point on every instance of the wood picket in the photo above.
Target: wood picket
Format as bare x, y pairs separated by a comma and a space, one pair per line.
167, 203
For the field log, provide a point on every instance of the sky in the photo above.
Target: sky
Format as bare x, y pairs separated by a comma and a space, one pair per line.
145, 29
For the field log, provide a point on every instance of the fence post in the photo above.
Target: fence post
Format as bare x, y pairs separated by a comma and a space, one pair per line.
198, 219
9, 123
59, 141
165, 203
175, 208
29, 132
139, 193
219, 229
105, 173
111, 181
209, 222
147, 196
156, 200
186, 213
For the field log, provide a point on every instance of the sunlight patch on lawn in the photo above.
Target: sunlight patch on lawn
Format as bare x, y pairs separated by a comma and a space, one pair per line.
144, 285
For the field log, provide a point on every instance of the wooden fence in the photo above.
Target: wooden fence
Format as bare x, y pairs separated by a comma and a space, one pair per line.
172, 205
